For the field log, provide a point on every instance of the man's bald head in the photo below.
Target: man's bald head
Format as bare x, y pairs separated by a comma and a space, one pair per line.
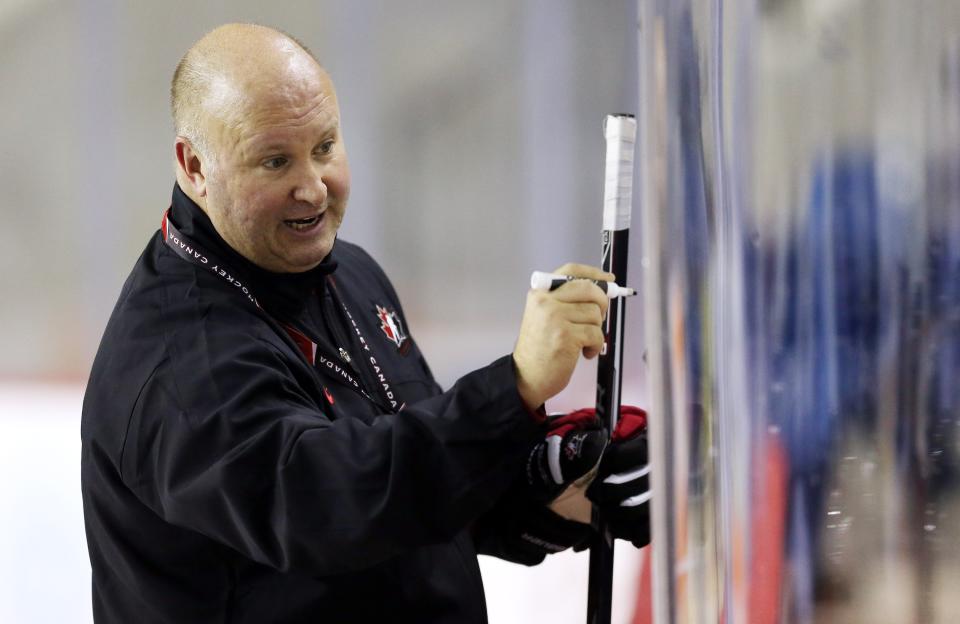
227, 67
259, 147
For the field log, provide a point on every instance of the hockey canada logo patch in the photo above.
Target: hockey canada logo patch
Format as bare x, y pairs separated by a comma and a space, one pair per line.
393, 329
574, 446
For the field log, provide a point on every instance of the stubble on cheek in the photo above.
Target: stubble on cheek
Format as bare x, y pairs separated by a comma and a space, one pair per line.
254, 231
236, 225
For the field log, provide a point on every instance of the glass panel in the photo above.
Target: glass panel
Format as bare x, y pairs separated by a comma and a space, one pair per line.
800, 176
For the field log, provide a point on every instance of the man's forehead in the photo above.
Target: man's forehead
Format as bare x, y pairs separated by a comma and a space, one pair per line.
266, 97
279, 121
294, 99
265, 133
223, 96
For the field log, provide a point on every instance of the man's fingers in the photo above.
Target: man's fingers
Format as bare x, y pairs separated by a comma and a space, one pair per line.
591, 340
572, 302
583, 313
581, 291
584, 270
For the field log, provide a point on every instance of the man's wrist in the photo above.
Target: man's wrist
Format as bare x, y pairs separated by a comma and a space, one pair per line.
531, 401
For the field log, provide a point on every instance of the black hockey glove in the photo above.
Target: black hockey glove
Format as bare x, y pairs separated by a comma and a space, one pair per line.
621, 488
524, 531
522, 527
571, 449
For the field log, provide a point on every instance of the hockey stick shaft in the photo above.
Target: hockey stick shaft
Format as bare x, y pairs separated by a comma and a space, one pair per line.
620, 132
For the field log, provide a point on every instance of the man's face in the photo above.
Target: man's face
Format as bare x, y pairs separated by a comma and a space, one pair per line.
278, 186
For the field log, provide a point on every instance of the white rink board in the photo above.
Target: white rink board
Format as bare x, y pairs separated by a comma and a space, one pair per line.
556, 590
45, 572
44, 569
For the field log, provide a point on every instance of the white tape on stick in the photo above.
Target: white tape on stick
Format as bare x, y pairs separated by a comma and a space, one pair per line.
621, 134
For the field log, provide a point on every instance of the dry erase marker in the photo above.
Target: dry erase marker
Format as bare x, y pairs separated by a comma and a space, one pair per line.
551, 281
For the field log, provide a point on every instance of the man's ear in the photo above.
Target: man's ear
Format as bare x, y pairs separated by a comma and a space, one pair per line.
190, 167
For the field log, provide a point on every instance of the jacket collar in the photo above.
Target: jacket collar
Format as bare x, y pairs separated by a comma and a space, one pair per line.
281, 294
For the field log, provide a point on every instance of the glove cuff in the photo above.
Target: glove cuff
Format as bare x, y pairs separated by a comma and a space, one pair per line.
537, 532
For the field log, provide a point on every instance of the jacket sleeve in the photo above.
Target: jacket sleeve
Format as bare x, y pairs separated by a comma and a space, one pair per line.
234, 449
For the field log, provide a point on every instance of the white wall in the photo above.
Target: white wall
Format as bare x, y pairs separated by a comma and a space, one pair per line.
45, 572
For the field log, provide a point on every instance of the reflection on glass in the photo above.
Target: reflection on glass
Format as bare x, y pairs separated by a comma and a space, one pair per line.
800, 193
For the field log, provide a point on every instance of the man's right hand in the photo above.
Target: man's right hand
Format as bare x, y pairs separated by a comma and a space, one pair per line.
557, 327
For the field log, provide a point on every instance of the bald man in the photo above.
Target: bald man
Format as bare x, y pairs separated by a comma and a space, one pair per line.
262, 438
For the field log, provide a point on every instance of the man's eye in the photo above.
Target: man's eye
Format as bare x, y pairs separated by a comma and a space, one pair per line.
326, 147
275, 163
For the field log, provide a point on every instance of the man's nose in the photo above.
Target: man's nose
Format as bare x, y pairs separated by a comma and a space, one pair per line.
311, 187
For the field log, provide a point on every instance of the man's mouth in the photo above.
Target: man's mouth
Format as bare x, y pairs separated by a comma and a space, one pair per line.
303, 224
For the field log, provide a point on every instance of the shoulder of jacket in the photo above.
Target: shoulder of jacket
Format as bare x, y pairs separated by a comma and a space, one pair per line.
167, 297
345, 251
354, 261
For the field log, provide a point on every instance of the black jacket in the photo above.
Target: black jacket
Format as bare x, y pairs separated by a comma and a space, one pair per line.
226, 479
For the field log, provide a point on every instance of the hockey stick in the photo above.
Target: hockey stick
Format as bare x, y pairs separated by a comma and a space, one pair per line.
620, 132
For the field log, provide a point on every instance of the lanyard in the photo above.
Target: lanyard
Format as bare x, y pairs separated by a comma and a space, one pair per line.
338, 366
364, 349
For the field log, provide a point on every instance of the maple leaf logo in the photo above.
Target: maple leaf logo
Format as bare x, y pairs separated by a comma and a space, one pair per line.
392, 328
